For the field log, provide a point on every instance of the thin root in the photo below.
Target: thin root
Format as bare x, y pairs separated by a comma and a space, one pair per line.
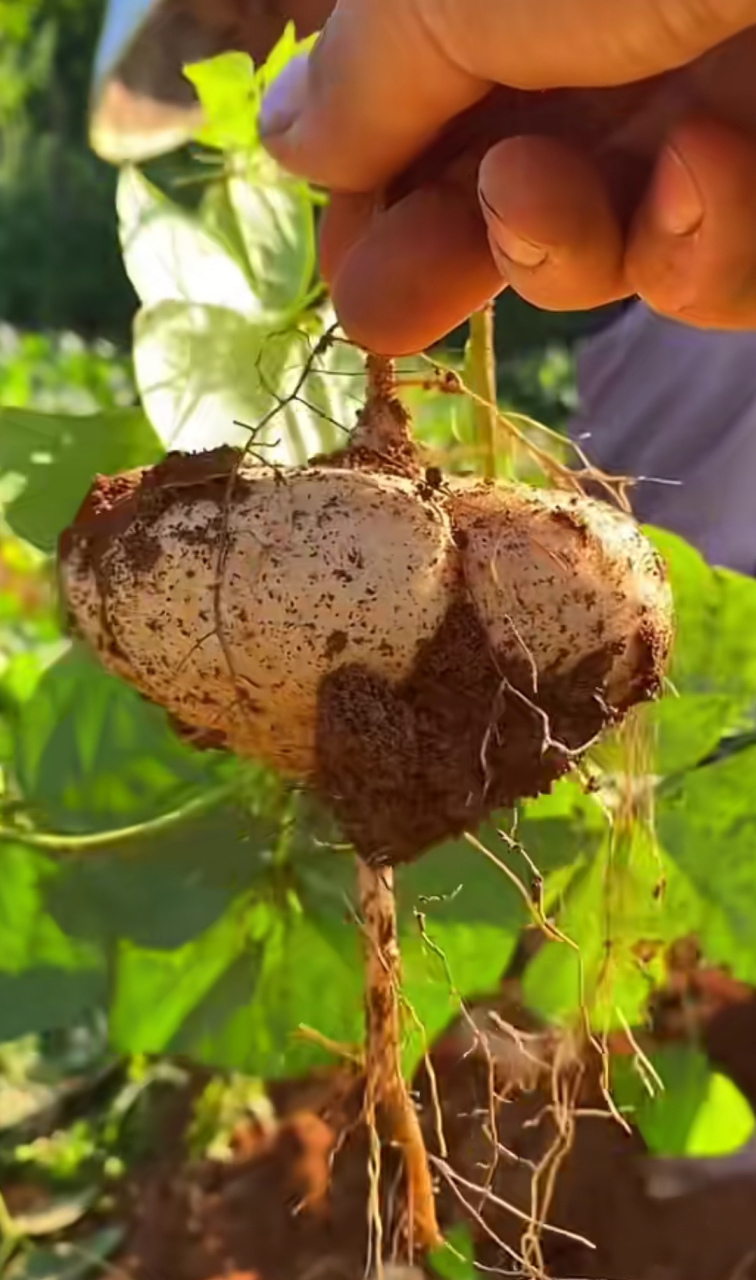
386, 1093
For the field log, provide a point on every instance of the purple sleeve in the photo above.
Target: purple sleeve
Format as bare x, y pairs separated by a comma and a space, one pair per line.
668, 403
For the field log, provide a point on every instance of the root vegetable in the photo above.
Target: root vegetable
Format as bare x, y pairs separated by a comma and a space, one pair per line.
420, 653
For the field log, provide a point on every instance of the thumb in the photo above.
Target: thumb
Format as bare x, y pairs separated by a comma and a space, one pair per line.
387, 75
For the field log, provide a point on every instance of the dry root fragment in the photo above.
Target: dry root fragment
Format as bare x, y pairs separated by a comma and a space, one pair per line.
421, 653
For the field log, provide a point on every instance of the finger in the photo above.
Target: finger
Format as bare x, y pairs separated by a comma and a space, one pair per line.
693, 249
387, 75
345, 220
552, 230
420, 269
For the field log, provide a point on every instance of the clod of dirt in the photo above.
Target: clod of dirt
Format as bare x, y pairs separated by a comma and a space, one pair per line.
420, 653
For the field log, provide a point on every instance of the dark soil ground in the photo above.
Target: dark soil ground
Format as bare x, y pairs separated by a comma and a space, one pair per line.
291, 1205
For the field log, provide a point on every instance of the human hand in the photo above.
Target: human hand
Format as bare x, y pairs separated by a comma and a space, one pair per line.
577, 151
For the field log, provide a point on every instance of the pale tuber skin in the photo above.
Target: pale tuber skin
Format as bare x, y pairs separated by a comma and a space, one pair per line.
555, 575
322, 567
421, 653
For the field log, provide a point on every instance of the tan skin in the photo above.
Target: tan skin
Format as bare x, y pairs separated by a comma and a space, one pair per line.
574, 197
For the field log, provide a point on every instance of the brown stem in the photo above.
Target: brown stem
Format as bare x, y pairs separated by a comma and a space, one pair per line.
381, 377
386, 1090
384, 424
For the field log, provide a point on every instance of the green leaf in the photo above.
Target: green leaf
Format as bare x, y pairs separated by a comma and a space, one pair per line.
724, 1121
616, 904
202, 370
51, 461
276, 223
155, 992
46, 978
311, 975
454, 901
690, 727
68, 1260
697, 1113
706, 822
91, 754
170, 256
716, 620
163, 891
229, 92
48, 998
236, 996
455, 1258
461, 917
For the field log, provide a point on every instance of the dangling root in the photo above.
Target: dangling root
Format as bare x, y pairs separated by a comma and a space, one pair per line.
386, 1094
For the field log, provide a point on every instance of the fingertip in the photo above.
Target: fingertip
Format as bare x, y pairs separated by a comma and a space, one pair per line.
692, 251
284, 103
345, 220
550, 223
371, 95
418, 272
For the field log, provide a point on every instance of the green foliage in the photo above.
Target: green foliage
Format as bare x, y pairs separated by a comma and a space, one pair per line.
685, 1109
226, 327
231, 89
48, 462
62, 374
455, 1258
59, 263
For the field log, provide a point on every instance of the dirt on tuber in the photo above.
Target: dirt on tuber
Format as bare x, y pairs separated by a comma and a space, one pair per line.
420, 650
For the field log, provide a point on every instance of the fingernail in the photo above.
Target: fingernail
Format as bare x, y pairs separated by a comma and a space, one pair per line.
515, 248
508, 243
676, 201
285, 98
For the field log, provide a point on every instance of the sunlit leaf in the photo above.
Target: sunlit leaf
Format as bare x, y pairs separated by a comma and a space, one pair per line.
229, 92
706, 821
172, 257
155, 992
277, 228
202, 371
696, 1113
52, 459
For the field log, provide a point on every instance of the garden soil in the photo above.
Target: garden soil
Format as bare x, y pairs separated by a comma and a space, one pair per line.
291, 1205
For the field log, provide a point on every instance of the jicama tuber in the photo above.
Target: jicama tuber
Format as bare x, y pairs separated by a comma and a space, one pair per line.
420, 651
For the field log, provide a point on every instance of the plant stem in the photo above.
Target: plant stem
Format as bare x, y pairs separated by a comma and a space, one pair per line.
10, 1236
53, 842
381, 377
386, 1089
482, 374
384, 424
